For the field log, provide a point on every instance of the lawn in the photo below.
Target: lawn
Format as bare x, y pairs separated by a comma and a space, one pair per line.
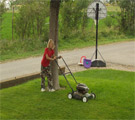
113, 8
114, 90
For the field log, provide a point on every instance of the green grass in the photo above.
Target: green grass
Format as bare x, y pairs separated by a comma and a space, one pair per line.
6, 32
114, 90
113, 8
20, 49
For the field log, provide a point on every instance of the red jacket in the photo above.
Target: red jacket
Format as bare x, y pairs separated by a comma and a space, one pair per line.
44, 61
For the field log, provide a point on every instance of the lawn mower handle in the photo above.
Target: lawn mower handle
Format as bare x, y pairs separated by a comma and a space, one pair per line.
68, 68
64, 74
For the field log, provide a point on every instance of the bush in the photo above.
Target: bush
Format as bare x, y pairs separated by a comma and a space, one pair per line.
30, 21
73, 17
127, 14
2, 11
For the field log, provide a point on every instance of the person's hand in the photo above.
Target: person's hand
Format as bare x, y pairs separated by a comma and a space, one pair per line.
54, 58
59, 57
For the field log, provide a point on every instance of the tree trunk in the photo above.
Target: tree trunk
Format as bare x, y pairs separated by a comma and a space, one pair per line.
54, 12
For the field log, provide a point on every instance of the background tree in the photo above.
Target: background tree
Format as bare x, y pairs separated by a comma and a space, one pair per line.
127, 16
73, 16
2, 11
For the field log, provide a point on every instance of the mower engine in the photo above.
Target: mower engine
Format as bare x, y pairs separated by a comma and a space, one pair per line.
82, 88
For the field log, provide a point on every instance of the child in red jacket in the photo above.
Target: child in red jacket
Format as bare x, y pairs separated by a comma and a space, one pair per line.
45, 66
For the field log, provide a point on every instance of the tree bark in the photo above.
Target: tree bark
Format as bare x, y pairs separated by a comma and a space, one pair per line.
54, 12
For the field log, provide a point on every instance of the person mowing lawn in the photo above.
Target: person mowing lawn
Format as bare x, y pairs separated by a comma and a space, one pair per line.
45, 66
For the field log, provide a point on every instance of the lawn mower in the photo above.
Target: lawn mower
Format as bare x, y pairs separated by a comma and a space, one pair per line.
81, 92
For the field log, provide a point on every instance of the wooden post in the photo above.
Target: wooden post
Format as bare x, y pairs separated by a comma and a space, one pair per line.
12, 24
